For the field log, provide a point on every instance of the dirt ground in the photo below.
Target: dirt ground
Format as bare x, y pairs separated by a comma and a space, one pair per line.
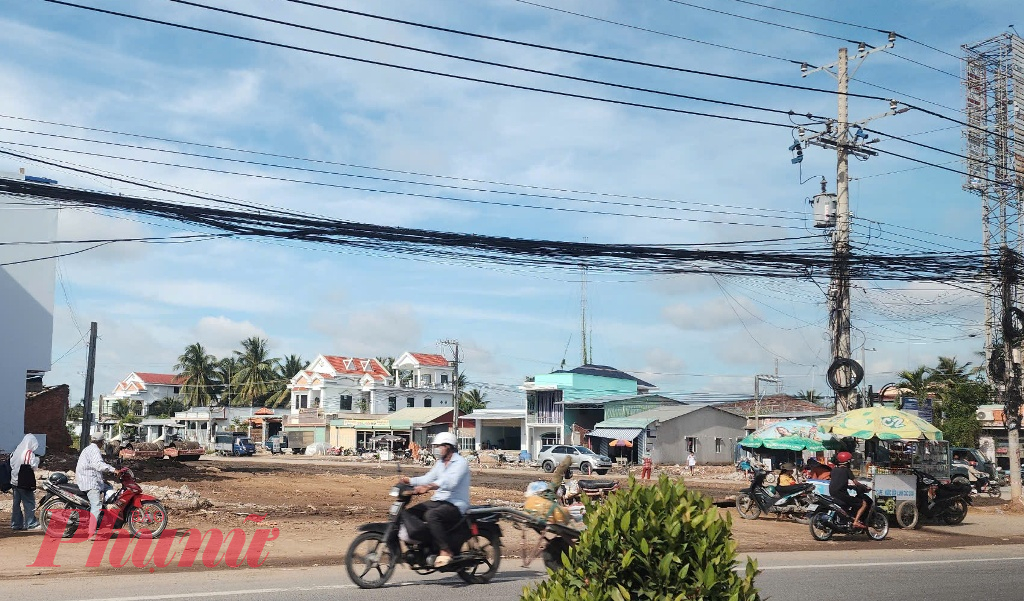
318, 502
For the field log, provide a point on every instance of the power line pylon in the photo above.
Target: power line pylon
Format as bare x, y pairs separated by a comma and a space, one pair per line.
837, 134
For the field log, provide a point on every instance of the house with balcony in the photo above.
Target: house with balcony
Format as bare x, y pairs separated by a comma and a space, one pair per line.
348, 391
142, 389
563, 405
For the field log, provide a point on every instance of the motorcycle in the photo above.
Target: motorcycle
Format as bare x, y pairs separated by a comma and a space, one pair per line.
828, 517
373, 555
143, 514
986, 485
935, 500
572, 491
427, 459
791, 501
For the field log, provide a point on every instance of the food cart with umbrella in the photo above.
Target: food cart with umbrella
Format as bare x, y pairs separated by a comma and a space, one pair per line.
893, 444
386, 454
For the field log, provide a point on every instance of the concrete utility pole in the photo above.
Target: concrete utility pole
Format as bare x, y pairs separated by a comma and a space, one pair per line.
757, 396
1011, 391
837, 135
90, 376
455, 385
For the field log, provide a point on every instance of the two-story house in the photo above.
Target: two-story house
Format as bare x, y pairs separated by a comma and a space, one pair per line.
557, 401
142, 389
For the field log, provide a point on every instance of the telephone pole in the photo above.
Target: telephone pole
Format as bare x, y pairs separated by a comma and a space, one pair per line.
837, 135
455, 385
1010, 386
90, 376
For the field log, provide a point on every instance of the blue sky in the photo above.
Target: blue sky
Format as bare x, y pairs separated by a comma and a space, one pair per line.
686, 334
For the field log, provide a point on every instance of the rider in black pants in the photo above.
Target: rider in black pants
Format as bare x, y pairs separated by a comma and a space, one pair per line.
449, 479
842, 480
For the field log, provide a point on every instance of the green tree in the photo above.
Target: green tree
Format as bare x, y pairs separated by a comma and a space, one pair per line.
472, 400
960, 401
288, 367
76, 412
387, 362
651, 542
916, 381
124, 411
256, 372
226, 370
948, 371
165, 407
197, 369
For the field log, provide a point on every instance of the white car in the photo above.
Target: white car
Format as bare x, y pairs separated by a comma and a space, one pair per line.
583, 459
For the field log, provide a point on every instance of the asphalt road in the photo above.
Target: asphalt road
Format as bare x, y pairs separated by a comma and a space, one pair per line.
937, 575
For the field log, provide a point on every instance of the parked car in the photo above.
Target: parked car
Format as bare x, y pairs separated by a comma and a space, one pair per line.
973, 457
276, 444
229, 444
583, 459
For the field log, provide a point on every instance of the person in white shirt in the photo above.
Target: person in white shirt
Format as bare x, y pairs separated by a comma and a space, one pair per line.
89, 478
449, 479
690, 462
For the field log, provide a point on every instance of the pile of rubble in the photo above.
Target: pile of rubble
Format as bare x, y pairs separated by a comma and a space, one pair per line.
178, 498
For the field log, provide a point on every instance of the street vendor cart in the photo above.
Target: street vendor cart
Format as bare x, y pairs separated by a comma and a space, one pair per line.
892, 445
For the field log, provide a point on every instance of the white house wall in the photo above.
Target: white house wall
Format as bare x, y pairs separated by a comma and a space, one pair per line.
26, 321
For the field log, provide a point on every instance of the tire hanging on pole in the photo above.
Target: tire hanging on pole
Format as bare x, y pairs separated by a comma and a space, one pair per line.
1013, 323
853, 366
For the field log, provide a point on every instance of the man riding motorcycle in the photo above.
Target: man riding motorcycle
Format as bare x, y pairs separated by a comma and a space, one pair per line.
449, 479
842, 480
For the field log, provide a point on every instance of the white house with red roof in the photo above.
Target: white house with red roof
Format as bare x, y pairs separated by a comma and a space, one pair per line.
143, 387
334, 384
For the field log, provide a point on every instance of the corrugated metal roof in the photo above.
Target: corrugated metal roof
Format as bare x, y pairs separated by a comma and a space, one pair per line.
645, 418
616, 433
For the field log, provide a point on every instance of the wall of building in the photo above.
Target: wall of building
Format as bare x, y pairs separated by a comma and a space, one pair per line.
583, 386
46, 413
26, 321
705, 425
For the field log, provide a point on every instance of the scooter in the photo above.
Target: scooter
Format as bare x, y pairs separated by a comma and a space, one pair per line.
373, 555
791, 501
828, 516
143, 514
935, 500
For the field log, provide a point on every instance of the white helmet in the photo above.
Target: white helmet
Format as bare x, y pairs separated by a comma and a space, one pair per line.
445, 438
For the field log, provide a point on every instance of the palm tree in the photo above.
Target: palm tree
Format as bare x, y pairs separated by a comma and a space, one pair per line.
226, 369
123, 410
256, 372
166, 407
471, 400
811, 396
197, 369
288, 367
387, 362
948, 372
916, 381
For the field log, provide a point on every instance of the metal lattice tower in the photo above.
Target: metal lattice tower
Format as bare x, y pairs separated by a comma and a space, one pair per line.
994, 83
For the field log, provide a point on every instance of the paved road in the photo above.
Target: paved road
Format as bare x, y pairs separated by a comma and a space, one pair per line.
937, 575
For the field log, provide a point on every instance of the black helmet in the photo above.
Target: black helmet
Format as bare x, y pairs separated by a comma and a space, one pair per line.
58, 478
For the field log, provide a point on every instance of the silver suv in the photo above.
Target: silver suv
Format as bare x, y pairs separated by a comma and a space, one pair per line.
583, 459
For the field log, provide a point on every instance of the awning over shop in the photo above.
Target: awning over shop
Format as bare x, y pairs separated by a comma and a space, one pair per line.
403, 419
616, 433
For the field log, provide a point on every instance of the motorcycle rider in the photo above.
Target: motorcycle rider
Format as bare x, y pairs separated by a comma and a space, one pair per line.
89, 478
842, 480
449, 479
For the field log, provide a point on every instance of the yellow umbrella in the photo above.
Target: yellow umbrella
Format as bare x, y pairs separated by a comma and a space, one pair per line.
884, 422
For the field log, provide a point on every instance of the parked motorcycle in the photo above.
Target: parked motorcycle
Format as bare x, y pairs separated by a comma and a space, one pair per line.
572, 491
986, 485
372, 557
935, 500
791, 501
144, 515
427, 458
828, 517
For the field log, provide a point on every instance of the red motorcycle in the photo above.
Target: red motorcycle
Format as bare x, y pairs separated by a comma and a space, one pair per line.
144, 515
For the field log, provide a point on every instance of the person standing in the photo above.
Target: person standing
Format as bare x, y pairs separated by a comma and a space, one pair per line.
691, 461
645, 471
89, 478
23, 479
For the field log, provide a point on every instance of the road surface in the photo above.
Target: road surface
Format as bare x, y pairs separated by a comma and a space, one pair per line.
935, 574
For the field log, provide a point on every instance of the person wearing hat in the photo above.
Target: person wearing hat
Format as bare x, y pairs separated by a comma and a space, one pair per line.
786, 474
449, 481
842, 480
89, 478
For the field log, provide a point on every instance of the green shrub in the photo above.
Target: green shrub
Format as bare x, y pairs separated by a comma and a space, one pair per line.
651, 542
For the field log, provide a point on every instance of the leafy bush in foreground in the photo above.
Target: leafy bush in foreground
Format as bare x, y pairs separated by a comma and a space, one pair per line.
651, 542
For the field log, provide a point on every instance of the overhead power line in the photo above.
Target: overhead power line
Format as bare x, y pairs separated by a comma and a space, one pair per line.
413, 69
944, 267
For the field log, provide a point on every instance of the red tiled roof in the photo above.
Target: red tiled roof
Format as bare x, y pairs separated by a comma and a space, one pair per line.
374, 369
430, 360
264, 411
164, 379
